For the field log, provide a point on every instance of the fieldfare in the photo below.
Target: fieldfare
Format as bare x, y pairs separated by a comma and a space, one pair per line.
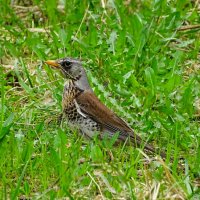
83, 109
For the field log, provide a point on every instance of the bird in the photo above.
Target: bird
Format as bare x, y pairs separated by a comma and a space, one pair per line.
85, 112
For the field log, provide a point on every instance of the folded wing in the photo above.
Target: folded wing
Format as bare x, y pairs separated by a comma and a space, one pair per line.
91, 106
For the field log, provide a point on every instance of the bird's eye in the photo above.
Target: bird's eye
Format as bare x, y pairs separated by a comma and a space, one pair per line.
67, 64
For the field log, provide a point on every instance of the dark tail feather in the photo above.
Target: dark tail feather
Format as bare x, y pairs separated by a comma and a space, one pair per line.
151, 149
137, 141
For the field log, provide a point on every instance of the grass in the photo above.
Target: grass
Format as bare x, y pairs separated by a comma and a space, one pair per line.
142, 59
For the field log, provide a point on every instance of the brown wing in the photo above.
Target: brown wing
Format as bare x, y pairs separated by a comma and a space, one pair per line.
91, 106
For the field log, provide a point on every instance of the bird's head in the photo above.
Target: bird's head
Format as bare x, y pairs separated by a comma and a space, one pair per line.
71, 68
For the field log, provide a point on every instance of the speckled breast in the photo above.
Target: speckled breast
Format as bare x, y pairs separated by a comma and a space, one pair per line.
85, 124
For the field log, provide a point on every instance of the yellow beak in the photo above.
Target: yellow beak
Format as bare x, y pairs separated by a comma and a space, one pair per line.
52, 63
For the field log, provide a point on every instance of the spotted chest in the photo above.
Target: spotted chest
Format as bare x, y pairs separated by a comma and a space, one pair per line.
68, 102
77, 119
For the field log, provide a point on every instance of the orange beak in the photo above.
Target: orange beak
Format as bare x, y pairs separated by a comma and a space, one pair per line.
52, 63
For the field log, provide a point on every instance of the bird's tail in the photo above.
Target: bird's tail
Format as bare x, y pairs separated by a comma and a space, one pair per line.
137, 141
151, 149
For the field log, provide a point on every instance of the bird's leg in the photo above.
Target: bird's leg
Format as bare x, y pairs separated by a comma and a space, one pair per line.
59, 119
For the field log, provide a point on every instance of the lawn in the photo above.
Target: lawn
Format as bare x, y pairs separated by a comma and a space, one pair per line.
143, 61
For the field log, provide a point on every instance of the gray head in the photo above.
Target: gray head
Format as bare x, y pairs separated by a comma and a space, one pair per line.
70, 67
